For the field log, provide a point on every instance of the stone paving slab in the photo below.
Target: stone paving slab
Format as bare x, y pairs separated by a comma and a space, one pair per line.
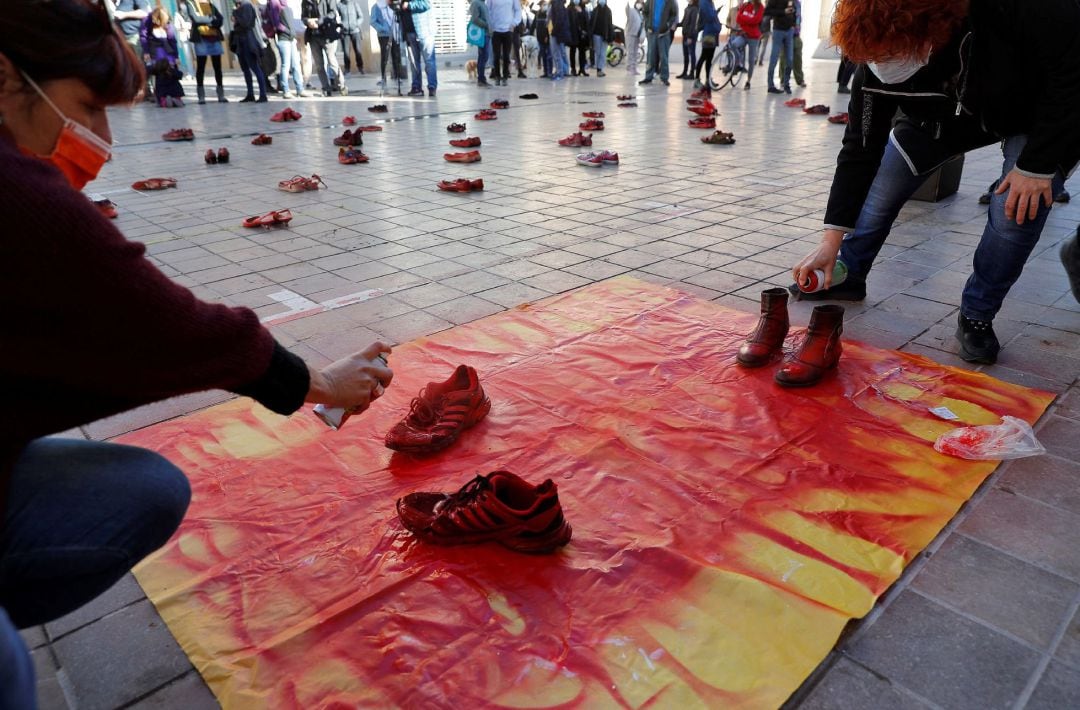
986, 617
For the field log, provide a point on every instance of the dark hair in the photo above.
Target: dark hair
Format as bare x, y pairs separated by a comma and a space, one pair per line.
71, 39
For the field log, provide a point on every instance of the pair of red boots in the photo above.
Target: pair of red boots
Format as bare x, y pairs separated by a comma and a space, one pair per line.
499, 507
818, 353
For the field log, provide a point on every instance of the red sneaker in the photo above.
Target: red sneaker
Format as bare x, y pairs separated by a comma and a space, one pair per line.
590, 160
470, 142
210, 157
593, 114
348, 121
841, 118
499, 507
472, 156
462, 185
262, 139
223, 155
592, 125
349, 138
702, 122
292, 115
819, 109
609, 157
440, 413
351, 156
486, 114
705, 109
282, 116
702, 93
178, 134
576, 140
456, 128
795, 103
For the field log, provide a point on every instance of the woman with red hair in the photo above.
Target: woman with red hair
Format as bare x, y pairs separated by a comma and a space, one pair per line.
939, 78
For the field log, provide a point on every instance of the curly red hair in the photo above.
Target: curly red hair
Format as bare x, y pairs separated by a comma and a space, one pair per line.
875, 30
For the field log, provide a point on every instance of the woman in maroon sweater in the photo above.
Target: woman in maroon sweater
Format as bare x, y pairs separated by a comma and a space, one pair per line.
92, 328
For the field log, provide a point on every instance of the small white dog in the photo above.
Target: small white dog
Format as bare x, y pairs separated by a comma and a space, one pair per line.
530, 51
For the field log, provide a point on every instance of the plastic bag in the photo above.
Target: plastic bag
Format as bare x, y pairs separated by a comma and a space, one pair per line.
1012, 439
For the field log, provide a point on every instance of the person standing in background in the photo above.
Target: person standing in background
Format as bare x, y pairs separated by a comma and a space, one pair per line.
660, 18
352, 22
560, 38
796, 51
603, 31
749, 19
206, 36
128, 15
689, 39
543, 39
423, 20
249, 45
782, 14
281, 20
384, 23
504, 17
633, 36
580, 39
710, 36
478, 15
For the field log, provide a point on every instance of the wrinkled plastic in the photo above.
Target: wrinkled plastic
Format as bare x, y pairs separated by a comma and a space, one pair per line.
1011, 439
725, 529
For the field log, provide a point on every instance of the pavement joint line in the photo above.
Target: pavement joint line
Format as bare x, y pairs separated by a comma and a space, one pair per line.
1044, 662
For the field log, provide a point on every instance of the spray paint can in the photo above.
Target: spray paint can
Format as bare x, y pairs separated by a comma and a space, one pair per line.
816, 280
335, 417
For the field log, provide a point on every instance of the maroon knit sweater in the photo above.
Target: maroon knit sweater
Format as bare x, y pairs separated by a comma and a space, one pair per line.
91, 328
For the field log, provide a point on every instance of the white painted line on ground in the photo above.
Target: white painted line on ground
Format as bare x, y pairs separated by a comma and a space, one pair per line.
300, 307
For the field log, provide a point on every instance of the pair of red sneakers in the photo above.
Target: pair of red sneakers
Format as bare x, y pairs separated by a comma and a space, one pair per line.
178, 134
285, 115
462, 185
499, 507
576, 140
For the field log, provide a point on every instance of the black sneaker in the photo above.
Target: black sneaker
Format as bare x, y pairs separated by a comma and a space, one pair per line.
843, 89
848, 290
644, 81
1070, 259
774, 90
978, 343
416, 92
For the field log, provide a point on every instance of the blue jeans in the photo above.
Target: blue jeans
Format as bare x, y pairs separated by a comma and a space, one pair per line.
1003, 249
559, 58
659, 48
424, 23
544, 56
738, 43
782, 39
79, 516
290, 64
600, 49
482, 57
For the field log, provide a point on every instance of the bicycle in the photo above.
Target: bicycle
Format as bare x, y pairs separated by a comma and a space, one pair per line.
730, 62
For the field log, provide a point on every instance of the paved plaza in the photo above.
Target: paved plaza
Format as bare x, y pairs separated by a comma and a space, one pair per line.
986, 617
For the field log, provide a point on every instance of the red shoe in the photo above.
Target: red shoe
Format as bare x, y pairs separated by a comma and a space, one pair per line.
293, 115
705, 109
486, 115
461, 185
223, 155
819, 109
470, 142
625, 97
819, 352
154, 184
368, 129
456, 128
590, 160
107, 207
795, 103
210, 157
300, 183
440, 413
702, 93
472, 156
609, 157
262, 139
576, 140
593, 114
702, 122
282, 116
500, 103
270, 219
592, 125
499, 507
349, 138
841, 118
378, 108
351, 156
348, 121
179, 134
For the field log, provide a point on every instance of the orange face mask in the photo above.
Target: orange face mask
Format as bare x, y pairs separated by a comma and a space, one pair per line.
79, 153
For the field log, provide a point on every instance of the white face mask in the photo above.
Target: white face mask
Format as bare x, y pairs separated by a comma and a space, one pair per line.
897, 71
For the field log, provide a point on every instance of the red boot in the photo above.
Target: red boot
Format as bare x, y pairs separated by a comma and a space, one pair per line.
819, 352
763, 345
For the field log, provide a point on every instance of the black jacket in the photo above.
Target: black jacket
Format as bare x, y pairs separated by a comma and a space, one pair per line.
781, 18
1012, 69
579, 27
601, 23
690, 22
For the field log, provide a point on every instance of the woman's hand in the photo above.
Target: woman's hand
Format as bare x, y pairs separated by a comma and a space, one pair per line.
352, 382
824, 258
1025, 195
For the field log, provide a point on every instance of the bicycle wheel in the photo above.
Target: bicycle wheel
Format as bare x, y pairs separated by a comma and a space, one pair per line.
724, 67
615, 55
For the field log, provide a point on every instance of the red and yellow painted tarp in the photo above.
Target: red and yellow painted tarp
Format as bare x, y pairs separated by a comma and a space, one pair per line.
725, 529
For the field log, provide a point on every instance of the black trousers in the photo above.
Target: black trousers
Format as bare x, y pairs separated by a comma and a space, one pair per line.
395, 53
705, 61
353, 39
200, 69
578, 54
500, 47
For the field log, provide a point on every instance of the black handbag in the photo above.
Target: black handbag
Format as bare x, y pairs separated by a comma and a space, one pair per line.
268, 59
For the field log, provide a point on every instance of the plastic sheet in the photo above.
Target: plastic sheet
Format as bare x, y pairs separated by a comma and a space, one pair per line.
725, 530
1011, 439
